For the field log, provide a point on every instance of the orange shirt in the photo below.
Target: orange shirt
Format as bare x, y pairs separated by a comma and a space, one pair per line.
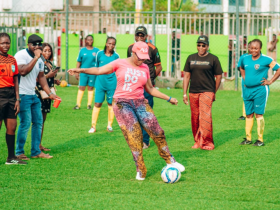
8, 69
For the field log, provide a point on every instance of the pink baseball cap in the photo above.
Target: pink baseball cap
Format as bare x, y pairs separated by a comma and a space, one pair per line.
141, 49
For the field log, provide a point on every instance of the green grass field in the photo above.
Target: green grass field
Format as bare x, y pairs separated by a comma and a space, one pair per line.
96, 171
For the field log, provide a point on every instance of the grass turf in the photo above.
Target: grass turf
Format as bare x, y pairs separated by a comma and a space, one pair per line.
96, 171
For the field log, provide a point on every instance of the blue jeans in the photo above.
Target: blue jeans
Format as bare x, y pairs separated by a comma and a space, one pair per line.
150, 98
30, 112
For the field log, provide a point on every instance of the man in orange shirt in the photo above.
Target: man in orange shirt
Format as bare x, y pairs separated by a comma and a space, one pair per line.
9, 96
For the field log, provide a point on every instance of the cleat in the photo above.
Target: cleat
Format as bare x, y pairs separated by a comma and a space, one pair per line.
15, 161
241, 118
76, 107
177, 165
245, 142
89, 107
258, 143
109, 129
138, 177
92, 130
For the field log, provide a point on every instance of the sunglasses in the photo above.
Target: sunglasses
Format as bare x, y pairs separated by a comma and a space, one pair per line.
140, 35
201, 45
139, 58
37, 44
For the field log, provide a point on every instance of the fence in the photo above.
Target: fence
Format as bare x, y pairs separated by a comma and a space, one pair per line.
182, 35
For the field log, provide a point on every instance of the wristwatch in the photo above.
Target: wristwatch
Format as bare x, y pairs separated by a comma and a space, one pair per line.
50, 94
18, 99
184, 95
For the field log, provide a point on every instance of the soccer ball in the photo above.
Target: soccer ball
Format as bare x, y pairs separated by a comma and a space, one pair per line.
63, 83
170, 174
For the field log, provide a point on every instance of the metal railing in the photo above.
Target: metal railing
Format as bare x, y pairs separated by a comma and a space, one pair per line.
52, 24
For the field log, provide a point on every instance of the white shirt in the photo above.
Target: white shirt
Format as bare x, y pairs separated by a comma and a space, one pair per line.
28, 83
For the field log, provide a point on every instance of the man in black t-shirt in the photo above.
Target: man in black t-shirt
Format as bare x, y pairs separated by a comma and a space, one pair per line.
155, 68
203, 70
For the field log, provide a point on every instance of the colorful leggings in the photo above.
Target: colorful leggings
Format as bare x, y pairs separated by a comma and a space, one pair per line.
201, 117
130, 114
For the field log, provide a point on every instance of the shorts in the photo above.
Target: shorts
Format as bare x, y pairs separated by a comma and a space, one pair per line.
87, 80
7, 103
99, 95
255, 99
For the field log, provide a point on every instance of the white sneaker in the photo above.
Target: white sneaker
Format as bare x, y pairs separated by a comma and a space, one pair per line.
109, 129
177, 165
138, 177
92, 130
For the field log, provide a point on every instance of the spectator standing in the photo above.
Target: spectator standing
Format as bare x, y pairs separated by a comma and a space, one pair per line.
22, 41
31, 67
9, 97
86, 59
50, 73
155, 68
201, 69
176, 43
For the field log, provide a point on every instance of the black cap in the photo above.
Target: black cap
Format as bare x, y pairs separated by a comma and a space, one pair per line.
203, 39
141, 29
34, 38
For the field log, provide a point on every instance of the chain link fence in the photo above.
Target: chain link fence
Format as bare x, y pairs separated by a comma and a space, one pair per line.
175, 43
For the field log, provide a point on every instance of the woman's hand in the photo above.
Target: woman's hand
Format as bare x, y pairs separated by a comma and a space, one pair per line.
265, 82
53, 97
52, 74
74, 71
57, 81
17, 107
173, 101
185, 99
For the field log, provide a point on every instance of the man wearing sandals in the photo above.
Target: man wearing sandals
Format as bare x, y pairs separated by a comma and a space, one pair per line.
31, 67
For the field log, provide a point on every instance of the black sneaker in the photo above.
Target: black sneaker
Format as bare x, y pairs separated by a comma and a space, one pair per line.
89, 107
15, 161
258, 143
76, 107
245, 142
241, 118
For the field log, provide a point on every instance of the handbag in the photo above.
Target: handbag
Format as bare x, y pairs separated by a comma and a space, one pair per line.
44, 95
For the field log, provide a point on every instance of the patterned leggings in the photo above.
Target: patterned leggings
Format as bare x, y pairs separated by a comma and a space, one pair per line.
130, 114
201, 105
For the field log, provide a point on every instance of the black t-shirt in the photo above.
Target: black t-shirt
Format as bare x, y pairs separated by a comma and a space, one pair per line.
154, 60
203, 71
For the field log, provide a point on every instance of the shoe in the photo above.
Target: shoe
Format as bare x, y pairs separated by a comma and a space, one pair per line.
241, 118
89, 107
145, 146
92, 130
177, 165
245, 142
42, 155
258, 143
22, 157
15, 161
138, 177
76, 107
109, 129
45, 149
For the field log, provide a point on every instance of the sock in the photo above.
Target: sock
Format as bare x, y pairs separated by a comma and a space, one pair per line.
90, 97
260, 123
248, 128
110, 116
80, 97
10, 140
95, 113
244, 113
